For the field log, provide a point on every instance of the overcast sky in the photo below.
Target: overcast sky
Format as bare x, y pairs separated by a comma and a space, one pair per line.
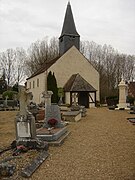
22, 22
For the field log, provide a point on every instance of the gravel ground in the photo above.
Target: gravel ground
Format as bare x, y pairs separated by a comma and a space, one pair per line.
100, 147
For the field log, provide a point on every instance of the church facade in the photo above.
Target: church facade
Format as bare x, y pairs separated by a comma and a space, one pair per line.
73, 72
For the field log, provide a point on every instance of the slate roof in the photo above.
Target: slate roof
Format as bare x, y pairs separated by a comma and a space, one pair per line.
44, 67
131, 89
77, 83
69, 25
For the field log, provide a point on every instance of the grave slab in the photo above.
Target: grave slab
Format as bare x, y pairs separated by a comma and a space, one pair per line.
53, 128
53, 135
72, 116
30, 168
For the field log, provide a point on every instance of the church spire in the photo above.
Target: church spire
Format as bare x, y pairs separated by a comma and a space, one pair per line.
69, 35
69, 25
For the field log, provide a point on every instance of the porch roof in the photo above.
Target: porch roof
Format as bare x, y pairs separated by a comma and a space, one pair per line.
77, 83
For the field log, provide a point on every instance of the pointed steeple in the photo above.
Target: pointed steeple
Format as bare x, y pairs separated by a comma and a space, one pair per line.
69, 35
69, 25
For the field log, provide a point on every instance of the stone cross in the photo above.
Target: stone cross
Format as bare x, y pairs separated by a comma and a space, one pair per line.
24, 98
25, 121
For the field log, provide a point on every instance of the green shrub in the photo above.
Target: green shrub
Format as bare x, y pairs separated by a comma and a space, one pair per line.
52, 86
10, 94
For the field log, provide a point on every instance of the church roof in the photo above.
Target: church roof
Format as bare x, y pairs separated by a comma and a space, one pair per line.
78, 83
49, 63
44, 67
69, 25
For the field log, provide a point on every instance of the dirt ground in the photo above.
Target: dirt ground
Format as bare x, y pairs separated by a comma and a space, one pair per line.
100, 147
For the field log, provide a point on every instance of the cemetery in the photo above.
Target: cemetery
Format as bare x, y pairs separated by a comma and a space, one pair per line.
55, 127
100, 138
52, 131
66, 141
28, 149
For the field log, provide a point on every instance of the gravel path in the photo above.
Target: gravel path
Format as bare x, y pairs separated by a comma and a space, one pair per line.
100, 147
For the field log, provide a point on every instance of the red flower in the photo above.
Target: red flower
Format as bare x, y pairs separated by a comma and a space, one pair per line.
52, 122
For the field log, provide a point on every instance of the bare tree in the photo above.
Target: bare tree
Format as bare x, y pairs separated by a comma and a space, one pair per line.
12, 61
110, 64
21, 58
39, 52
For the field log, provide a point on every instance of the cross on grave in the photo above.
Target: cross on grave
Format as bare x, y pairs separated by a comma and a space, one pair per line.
24, 99
25, 121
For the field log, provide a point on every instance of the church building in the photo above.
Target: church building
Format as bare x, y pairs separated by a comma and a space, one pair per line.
73, 72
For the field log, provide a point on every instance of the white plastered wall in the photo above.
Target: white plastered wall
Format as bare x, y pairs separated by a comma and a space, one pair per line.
72, 62
37, 91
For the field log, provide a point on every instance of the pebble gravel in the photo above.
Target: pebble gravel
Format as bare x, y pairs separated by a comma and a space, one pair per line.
101, 146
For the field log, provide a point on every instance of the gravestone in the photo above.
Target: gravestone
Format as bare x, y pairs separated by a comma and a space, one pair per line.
25, 121
54, 130
53, 127
52, 113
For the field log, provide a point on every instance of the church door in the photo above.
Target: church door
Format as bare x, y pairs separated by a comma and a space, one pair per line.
83, 99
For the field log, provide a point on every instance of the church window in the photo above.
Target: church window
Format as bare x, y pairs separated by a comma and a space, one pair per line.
30, 85
33, 84
37, 82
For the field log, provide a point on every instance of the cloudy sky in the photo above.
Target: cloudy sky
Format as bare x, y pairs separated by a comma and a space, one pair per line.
22, 22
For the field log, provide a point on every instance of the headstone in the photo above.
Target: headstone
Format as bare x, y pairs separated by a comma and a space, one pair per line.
25, 121
53, 130
25, 127
52, 116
